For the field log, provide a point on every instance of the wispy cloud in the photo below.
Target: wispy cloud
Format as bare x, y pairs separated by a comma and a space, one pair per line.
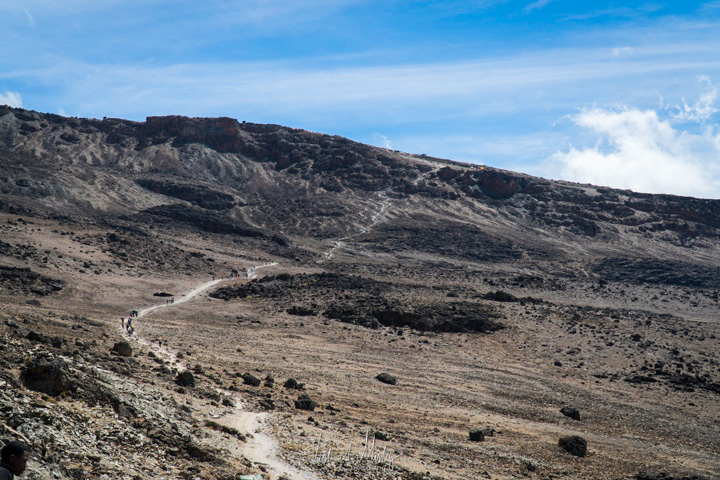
12, 99
620, 52
30, 18
536, 5
382, 140
703, 108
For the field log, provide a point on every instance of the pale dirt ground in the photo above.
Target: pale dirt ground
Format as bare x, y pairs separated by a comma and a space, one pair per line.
447, 383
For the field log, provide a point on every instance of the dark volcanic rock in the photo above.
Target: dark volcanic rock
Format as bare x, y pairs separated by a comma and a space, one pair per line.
200, 195
651, 475
292, 383
304, 402
204, 219
301, 311
25, 280
571, 412
477, 435
250, 379
501, 296
185, 379
386, 378
574, 445
124, 349
50, 376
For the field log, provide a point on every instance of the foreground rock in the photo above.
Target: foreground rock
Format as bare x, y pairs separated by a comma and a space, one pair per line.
386, 378
124, 349
574, 445
46, 375
477, 435
304, 402
571, 412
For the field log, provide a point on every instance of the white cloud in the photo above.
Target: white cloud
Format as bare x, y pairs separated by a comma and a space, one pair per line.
382, 140
640, 151
620, 52
703, 108
30, 18
536, 5
12, 99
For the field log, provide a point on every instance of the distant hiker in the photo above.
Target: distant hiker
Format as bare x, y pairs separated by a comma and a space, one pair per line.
14, 456
172, 300
122, 322
159, 342
130, 330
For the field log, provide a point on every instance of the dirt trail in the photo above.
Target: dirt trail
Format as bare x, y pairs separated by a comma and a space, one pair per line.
376, 216
261, 448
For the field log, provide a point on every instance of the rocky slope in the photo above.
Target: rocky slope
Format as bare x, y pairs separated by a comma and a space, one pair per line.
493, 298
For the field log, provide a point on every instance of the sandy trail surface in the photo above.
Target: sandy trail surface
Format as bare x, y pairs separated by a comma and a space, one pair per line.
261, 447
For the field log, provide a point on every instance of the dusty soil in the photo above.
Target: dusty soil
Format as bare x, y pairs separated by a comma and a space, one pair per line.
491, 300
645, 381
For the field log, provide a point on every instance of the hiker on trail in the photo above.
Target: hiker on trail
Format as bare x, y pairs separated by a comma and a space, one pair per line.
130, 330
122, 322
14, 456
172, 300
160, 342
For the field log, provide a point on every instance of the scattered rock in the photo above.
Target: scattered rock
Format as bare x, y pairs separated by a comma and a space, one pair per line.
124, 349
574, 445
305, 403
477, 435
250, 379
571, 412
50, 376
387, 378
301, 311
292, 383
185, 379
488, 431
501, 296
650, 475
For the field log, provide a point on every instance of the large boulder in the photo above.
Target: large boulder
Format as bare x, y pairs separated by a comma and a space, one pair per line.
305, 403
185, 379
124, 349
386, 378
250, 379
574, 445
477, 435
47, 375
571, 412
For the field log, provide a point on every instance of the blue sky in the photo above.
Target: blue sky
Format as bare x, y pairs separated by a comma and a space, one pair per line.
611, 93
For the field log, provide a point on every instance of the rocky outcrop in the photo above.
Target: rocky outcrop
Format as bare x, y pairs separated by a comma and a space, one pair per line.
28, 281
204, 219
200, 195
366, 302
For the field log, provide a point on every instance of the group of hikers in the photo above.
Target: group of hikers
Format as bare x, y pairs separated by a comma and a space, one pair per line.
126, 323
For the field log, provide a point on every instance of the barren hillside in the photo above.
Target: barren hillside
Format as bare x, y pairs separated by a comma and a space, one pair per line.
493, 299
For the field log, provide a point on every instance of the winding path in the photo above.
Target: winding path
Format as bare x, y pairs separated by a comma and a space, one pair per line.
375, 218
261, 447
